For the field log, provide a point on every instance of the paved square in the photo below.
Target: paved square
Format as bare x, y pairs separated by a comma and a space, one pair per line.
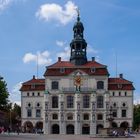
56, 137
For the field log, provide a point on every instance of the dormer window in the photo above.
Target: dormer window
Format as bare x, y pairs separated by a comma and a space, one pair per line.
33, 86
62, 70
93, 70
119, 85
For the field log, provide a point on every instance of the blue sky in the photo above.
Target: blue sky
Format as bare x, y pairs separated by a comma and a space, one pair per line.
43, 28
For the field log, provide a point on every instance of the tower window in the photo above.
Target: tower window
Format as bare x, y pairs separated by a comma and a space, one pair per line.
123, 113
38, 113
29, 113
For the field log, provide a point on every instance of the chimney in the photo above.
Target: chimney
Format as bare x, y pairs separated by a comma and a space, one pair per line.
121, 76
59, 59
33, 76
93, 58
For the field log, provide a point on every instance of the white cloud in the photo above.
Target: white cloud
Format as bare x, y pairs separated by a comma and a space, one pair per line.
90, 49
15, 96
60, 43
55, 12
42, 58
4, 4
65, 55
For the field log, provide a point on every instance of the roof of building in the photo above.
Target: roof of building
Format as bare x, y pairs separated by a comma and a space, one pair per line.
33, 85
120, 84
55, 69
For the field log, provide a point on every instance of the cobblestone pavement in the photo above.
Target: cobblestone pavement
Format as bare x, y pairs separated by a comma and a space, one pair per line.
56, 137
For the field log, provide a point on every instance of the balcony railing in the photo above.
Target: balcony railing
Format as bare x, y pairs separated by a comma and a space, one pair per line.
73, 90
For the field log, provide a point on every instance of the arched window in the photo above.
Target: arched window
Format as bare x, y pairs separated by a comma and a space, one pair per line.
100, 85
70, 101
86, 101
54, 102
55, 85
100, 101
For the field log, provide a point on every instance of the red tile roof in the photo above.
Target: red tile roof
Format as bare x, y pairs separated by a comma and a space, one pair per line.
54, 70
33, 85
67, 64
119, 84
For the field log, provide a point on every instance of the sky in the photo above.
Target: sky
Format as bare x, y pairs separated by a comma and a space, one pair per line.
31, 29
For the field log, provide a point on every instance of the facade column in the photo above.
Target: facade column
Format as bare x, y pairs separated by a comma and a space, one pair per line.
62, 115
77, 114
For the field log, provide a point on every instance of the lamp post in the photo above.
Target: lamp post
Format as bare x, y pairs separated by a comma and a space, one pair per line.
110, 117
10, 119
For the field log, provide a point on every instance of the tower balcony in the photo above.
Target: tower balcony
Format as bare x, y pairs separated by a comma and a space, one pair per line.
73, 90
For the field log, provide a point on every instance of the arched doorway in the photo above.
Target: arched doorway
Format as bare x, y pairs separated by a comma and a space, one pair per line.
124, 125
39, 127
28, 127
99, 126
114, 125
70, 129
55, 129
86, 129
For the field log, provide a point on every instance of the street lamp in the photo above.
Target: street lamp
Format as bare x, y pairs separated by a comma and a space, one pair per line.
110, 117
10, 126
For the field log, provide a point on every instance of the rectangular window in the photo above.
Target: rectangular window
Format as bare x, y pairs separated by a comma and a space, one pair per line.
55, 85
29, 113
70, 101
123, 113
86, 101
38, 113
54, 102
114, 113
100, 102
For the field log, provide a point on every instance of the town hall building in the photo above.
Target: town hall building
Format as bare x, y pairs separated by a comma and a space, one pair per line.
76, 96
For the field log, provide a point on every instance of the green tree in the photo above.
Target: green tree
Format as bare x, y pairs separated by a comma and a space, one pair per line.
136, 121
3, 94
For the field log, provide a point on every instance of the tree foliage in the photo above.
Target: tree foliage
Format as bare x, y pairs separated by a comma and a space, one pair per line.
3, 94
136, 121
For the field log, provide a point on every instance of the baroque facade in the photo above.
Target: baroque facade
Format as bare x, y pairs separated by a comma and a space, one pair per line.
76, 96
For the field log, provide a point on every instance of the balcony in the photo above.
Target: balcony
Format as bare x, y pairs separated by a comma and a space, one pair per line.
73, 90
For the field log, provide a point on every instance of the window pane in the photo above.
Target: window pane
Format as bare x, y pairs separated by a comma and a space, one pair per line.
54, 85
100, 85
123, 113
29, 113
54, 102
86, 101
100, 102
38, 113
70, 101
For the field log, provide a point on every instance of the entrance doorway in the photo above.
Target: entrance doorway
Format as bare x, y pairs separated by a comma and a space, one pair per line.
55, 129
86, 129
70, 129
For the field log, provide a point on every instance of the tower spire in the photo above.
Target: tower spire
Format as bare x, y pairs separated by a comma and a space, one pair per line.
78, 44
